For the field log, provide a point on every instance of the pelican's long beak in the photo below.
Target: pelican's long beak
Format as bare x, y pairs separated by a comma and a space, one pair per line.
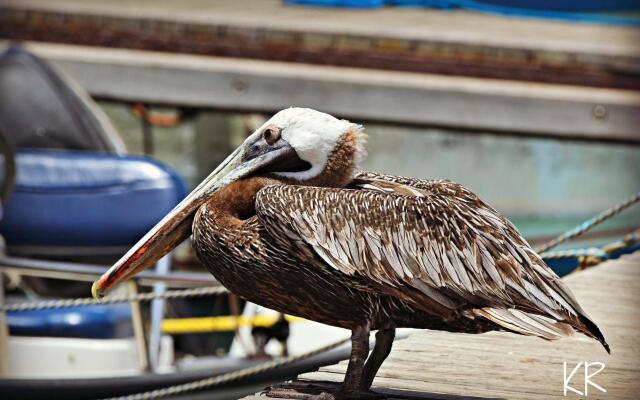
175, 227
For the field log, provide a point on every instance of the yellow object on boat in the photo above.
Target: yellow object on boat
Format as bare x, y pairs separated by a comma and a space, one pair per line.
224, 323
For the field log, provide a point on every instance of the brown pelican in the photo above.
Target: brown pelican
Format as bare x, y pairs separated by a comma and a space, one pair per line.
288, 221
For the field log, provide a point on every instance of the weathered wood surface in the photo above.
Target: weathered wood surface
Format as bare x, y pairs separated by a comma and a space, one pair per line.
469, 104
450, 43
500, 365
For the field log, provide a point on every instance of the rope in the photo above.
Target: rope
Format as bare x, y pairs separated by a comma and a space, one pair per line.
63, 303
185, 387
228, 377
590, 223
573, 253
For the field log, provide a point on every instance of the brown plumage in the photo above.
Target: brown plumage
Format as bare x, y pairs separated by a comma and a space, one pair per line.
366, 251
390, 251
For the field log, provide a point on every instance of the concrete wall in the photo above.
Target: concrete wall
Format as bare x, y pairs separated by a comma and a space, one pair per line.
526, 178
516, 175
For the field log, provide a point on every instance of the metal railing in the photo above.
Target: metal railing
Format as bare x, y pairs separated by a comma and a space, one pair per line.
90, 272
193, 284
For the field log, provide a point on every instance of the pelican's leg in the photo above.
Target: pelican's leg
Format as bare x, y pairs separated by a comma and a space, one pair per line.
384, 341
352, 386
359, 353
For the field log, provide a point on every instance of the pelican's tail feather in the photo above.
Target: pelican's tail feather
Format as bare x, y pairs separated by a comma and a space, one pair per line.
526, 323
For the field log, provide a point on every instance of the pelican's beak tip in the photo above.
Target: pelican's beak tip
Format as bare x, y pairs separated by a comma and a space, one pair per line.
96, 291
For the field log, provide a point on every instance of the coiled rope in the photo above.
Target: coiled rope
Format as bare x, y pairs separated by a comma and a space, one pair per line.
593, 255
590, 223
228, 377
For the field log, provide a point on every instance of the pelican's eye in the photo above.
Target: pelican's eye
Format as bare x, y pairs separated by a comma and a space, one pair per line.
271, 134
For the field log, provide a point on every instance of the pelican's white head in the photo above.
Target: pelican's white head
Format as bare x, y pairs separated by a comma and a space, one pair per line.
318, 138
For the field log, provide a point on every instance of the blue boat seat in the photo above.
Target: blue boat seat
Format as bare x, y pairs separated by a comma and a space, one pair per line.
66, 201
106, 321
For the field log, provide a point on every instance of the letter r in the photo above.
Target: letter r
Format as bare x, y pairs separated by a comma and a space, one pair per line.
587, 377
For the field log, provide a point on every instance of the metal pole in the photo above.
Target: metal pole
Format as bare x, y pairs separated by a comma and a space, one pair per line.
4, 334
138, 327
147, 133
157, 313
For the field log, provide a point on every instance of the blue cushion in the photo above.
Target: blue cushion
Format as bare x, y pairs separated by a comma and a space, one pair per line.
71, 198
96, 322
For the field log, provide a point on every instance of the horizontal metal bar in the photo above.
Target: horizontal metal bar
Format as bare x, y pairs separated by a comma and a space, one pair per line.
360, 94
89, 272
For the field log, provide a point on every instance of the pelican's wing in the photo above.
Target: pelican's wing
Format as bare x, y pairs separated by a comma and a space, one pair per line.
434, 243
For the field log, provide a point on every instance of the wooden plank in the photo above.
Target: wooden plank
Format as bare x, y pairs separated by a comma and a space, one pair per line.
503, 365
477, 105
472, 28
468, 27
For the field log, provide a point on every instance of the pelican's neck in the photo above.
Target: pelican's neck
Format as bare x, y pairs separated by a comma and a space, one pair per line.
236, 201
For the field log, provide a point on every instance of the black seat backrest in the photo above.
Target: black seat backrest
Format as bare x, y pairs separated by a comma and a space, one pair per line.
41, 108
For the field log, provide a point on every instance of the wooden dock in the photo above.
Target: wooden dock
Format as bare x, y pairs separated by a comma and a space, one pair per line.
437, 365
456, 42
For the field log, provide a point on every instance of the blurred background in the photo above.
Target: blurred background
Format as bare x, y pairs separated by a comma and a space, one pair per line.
110, 111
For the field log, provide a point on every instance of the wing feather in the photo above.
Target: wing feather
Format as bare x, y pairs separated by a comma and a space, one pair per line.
435, 237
